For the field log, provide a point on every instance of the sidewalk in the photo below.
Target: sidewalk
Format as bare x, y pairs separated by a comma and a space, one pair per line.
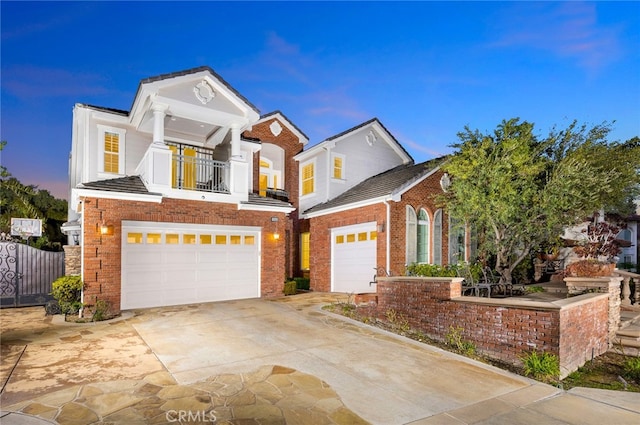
278, 361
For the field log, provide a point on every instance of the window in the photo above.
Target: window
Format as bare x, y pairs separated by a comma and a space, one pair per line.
423, 237
437, 238
307, 176
456, 241
351, 237
362, 236
221, 239
205, 239
189, 239
340, 239
304, 251
134, 237
111, 149
338, 166
411, 238
172, 238
235, 239
249, 240
154, 238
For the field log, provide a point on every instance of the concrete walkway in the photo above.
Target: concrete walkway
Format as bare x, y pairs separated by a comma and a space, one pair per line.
265, 362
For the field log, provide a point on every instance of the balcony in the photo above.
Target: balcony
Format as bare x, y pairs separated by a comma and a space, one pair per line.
193, 168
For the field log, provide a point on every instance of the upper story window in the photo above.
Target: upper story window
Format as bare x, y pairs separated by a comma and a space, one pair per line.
111, 149
338, 166
307, 177
270, 178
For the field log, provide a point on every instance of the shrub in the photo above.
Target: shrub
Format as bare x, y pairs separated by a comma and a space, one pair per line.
454, 339
541, 366
67, 291
632, 369
302, 283
290, 287
102, 311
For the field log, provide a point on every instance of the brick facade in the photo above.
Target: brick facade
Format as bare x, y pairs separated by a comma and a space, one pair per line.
291, 145
102, 253
421, 196
574, 329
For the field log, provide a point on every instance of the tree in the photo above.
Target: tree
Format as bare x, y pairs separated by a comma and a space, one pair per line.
27, 201
520, 191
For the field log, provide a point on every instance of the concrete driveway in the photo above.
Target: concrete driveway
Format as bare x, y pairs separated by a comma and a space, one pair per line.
271, 361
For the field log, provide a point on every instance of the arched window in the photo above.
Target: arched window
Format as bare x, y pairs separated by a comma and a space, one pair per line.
437, 237
456, 241
412, 223
423, 237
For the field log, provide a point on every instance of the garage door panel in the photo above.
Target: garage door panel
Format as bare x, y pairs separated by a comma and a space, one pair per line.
353, 258
183, 272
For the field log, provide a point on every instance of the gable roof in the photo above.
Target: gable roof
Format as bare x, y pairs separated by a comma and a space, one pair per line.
388, 184
288, 122
192, 71
372, 122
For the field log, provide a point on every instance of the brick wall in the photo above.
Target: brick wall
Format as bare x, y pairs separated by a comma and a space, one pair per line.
291, 145
102, 254
500, 328
320, 241
421, 196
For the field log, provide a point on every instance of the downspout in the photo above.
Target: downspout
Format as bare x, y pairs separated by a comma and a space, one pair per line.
388, 236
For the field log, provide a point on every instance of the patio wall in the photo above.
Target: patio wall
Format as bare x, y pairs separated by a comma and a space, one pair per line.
574, 329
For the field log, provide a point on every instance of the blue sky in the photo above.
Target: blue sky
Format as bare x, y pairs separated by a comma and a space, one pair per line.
425, 69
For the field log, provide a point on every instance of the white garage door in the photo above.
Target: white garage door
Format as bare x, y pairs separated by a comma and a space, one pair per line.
171, 264
353, 258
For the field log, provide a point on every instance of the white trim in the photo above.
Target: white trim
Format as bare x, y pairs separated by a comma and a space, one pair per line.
315, 178
282, 120
343, 157
253, 207
348, 207
122, 134
103, 194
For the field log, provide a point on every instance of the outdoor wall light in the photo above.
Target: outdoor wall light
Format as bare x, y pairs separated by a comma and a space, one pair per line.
276, 236
106, 229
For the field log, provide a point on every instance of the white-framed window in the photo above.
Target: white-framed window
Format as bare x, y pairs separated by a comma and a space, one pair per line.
338, 166
270, 178
412, 235
457, 241
111, 148
424, 226
437, 237
308, 178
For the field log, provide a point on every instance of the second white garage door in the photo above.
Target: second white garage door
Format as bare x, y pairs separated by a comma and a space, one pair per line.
170, 263
353, 258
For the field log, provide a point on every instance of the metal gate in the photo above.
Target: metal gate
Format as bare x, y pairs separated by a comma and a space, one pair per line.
26, 274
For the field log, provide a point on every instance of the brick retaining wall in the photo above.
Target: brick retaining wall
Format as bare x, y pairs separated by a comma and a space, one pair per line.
574, 329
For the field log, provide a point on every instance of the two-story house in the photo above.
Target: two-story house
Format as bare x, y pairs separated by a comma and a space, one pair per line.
193, 196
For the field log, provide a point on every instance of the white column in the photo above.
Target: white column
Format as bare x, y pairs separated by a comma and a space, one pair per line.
235, 143
159, 112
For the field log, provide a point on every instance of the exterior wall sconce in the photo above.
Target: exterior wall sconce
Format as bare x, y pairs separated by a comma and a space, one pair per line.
381, 227
75, 238
106, 229
276, 236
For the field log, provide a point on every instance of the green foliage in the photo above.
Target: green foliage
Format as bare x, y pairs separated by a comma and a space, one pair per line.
67, 291
101, 311
302, 283
520, 190
524, 271
632, 369
398, 321
451, 270
290, 287
541, 366
533, 289
454, 339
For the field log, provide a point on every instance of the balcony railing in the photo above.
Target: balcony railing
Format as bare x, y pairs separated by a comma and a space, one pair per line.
193, 168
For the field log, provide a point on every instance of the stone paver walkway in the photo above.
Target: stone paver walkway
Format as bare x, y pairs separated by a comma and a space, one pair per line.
270, 395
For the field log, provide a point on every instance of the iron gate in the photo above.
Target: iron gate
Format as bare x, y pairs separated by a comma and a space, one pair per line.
26, 274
